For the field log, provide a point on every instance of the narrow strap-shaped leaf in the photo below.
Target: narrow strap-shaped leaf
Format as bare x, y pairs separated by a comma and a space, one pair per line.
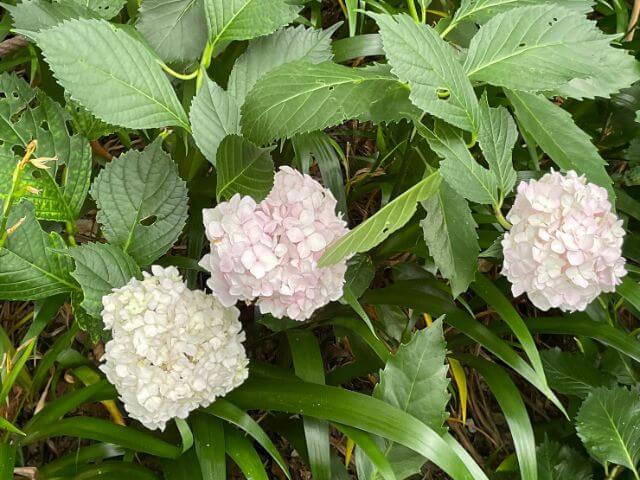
10, 427
629, 289
370, 448
515, 412
53, 411
69, 462
390, 218
7, 460
18, 362
115, 471
357, 327
503, 307
307, 362
354, 410
103, 431
230, 413
241, 451
208, 432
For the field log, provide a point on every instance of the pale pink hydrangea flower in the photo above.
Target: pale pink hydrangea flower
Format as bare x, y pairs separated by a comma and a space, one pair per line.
565, 247
270, 250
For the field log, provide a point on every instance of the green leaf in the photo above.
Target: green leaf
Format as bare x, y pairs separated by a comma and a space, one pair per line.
428, 64
497, 135
483, 10
103, 431
85, 123
284, 46
91, 324
100, 268
375, 229
214, 114
415, 381
246, 19
458, 167
176, 30
425, 297
27, 114
360, 273
308, 365
209, 437
142, 202
232, 414
415, 378
629, 289
352, 409
555, 131
515, 412
68, 463
572, 373
29, 267
241, 451
10, 427
111, 74
537, 48
106, 9
322, 148
243, 168
560, 462
32, 16
301, 97
450, 234
369, 446
607, 424
113, 470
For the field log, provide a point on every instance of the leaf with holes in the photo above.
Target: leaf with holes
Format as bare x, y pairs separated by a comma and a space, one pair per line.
540, 48
32, 16
484, 10
30, 267
421, 58
58, 192
246, 19
177, 30
284, 46
375, 229
111, 74
458, 167
106, 9
607, 424
301, 97
214, 114
142, 202
100, 268
243, 168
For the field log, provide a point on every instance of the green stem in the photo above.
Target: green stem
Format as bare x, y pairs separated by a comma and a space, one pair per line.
447, 30
413, 11
178, 75
501, 220
205, 61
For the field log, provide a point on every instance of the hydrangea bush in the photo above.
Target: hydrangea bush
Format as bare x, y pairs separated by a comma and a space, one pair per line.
387, 239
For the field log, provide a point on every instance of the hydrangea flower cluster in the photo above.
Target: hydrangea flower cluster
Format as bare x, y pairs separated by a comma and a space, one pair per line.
173, 349
565, 247
269, 250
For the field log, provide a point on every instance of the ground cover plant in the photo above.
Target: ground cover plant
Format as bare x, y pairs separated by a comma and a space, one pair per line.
289, 239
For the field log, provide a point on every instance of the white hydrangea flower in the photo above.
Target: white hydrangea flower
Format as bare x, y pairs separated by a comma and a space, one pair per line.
173, 349
270, 250
565, 247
